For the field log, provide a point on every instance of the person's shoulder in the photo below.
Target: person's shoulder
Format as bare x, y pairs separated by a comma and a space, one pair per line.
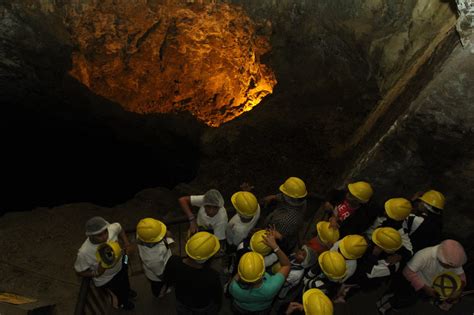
213, 272
196, 200
278, 277
86, 248
424, 254
234, 219
223, 213
115, 228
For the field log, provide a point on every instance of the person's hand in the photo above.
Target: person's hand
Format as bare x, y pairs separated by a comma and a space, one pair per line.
265, 201
417, 195
393, 259
294, 306
246, 187
193, 227
327, 206
273, 231
377, 251
129, 248
100, 270
430, 291
454, 296
269, 240
333, 223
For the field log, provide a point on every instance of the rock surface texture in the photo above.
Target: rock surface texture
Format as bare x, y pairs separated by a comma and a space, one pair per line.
432, 146
204, 59
68, 69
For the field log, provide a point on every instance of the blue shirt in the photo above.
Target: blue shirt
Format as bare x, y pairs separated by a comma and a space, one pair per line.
257, 299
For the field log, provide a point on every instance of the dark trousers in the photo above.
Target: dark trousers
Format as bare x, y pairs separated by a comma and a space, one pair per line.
120, 285
182, 309
156, 287
236, 310
404, 294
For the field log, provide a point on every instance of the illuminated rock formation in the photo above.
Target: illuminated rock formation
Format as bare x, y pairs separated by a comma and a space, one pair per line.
204, 59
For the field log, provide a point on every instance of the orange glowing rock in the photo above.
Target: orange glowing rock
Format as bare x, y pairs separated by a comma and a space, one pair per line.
204, 59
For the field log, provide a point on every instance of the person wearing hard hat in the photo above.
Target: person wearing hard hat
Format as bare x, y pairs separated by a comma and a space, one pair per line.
288, 214
300, 261
396, 212
421, 272
239, 227
248, 213
197, 286
352, 248
325, 238
381, 260
425, 225
328, 275
154, 250
350, 210
211, 216
256, 243
252, 289
102, 237
315, 302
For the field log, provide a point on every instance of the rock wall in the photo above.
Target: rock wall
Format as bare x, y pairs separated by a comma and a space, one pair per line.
340, 65
390, 35
61, 142
432, 146
171, 57
337, 64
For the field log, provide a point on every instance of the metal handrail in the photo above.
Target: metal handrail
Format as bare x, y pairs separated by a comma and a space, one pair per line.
84, 299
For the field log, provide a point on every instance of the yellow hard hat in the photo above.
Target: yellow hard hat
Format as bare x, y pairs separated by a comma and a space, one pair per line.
245, 203
251, 267
276, 267
361, 190
150, 230
434, 198
257, 244
108, 254
202, 246
294, 187
315, 302
327, 234
446, 284
387, 238
398, 208
353, 246
332, 264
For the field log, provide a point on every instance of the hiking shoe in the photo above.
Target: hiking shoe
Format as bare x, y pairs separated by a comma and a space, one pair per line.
128, 306
132, 294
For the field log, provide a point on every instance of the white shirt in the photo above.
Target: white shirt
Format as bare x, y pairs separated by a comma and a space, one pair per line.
294, 278
377, 223
217, 223
154, 259
86, 259
406, 242
425, 263
351, 264
237, 230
